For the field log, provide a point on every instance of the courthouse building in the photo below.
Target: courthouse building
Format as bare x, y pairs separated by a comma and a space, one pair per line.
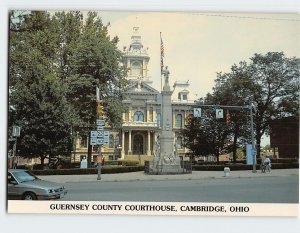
142, 121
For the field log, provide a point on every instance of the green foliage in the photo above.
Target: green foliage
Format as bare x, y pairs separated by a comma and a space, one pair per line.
270, 82
55, 63
104, 170
206, 135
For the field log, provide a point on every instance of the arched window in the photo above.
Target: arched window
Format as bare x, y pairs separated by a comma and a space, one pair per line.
136, 69
117, 141
158, 119
138, 116
179, 121
111, 141
179, 142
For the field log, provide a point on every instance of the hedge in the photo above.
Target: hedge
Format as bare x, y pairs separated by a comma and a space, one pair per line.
236, 167
86, 171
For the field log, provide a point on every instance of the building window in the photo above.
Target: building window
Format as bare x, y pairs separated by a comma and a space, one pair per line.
184, 97
158, 119
111, 141
117, 141
179, 121
179, 142
83, 141
138, 116
136, 69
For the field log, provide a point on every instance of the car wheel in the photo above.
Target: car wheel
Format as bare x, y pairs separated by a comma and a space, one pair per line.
29, 196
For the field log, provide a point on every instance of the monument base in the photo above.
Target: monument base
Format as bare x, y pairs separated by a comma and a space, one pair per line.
167, 167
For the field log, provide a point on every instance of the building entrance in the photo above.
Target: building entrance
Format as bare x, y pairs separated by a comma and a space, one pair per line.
138, 145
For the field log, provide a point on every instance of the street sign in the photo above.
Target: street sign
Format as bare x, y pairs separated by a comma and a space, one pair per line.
106, 140
219, 113
106, 133
93, 141
94, 134
100, 141
100, 128
100, 122
16, 131
100, 134
197, 112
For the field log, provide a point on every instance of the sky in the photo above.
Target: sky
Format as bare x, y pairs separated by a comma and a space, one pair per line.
198, 45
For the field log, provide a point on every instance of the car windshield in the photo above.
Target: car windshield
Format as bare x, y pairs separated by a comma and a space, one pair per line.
24, 176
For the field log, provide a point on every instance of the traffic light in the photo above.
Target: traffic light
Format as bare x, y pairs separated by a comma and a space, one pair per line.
100, 110
227, 118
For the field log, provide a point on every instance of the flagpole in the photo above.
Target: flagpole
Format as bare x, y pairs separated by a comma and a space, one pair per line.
161, 76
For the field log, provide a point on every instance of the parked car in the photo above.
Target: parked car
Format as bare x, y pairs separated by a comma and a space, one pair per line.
22, 184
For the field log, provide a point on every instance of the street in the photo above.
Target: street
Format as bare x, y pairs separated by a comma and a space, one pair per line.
240, 190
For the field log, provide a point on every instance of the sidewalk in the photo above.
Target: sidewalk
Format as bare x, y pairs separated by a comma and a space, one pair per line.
141, 176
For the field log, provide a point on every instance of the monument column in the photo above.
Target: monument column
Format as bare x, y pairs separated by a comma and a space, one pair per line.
166, 137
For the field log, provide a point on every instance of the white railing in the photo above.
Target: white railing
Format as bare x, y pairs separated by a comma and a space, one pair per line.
139, 124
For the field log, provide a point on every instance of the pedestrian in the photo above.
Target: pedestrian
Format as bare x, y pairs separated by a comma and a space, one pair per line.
266, 164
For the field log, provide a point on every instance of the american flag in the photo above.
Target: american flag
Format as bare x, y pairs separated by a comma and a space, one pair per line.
162, 54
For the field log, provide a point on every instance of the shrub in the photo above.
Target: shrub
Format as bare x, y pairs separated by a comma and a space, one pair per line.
78, 171
236, 167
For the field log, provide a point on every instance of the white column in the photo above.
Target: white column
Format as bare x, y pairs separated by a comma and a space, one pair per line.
148, 114
129, 116
123, 145
154, 115
149, 144
129, 145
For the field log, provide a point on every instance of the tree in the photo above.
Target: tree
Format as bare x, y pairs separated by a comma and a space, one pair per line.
56, 61
206, 135
95, 62
270, 82
39, 97
229, 91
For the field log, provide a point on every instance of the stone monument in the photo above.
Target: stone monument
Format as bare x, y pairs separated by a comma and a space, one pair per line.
166, 159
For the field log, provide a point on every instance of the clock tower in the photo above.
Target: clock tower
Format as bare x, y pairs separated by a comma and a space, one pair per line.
136, 58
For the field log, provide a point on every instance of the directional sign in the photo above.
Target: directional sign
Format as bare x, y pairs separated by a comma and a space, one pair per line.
106, 133
100, 134
93, 141
100, 141
197, 112
100, 122
106, 140
94, 134
219, 113
100, 128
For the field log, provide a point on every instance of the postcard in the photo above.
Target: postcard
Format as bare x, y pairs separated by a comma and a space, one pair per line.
153, 113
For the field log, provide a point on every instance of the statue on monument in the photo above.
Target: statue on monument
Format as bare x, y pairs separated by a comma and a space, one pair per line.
166, 74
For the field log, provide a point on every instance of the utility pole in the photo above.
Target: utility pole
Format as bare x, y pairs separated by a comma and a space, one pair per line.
253, 151
100, 127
